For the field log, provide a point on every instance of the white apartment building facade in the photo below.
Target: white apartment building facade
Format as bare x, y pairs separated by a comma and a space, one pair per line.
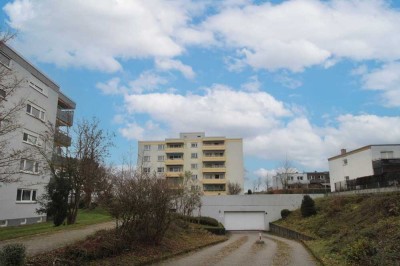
214, 162
349, 165
44, 105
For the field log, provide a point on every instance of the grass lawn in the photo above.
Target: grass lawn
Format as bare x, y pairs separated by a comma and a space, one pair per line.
85, 217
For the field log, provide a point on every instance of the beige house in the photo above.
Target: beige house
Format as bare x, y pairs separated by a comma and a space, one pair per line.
212, 161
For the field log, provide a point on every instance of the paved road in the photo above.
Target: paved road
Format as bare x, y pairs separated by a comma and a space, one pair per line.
242, 249
46, 242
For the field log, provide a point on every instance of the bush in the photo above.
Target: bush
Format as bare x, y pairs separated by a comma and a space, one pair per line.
12, 255
285, 213
203, 220
307, 206
220, 230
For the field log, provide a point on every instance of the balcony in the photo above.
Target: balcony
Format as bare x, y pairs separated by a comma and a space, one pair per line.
62, 139
174, 149
213, 147
65, 117
214, 169
173, 162
206, 158
213, 181
174, 174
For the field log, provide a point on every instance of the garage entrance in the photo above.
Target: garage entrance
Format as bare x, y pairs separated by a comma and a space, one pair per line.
244, 220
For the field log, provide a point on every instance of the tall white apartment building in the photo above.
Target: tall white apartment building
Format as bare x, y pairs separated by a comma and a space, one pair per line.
213, 161
44, 105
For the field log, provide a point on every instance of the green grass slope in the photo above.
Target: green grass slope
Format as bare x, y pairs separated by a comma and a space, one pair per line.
352, 230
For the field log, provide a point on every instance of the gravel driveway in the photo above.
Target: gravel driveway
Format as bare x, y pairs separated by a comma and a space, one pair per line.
46, 242
242, 249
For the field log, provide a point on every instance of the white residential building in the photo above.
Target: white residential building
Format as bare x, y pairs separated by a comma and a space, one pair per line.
359, 162
212, 161
45, 104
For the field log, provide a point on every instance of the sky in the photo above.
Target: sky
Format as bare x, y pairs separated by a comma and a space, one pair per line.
298, 80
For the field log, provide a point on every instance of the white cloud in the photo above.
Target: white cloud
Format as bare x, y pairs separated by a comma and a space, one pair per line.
169, 64
253, 85
386, 80
288, 81
220, 110
302, 33
97, 34
147, 81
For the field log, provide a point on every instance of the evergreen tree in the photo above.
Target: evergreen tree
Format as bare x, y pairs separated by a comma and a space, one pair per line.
307, 206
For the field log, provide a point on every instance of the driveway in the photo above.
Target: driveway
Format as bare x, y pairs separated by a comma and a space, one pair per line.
45, 242
242, 249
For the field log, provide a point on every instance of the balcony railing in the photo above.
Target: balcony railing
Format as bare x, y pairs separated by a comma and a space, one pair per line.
62, 139
65, 117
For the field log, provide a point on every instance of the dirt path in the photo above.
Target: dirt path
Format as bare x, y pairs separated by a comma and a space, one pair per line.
46, 242
241, 249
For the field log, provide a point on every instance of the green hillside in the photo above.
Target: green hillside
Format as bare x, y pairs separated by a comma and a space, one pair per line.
353, 230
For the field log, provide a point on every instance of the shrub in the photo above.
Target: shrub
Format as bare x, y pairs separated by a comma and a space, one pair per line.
203, 220
220, 230
307, 206
285, 213
12, 255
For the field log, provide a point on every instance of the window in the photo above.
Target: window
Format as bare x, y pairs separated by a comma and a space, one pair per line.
36, 87
160, 158
5, 60
31, 139
34, 111
194, 156
161, 147
344, 161
29, 166
160, 170
147, 147
146, 158
146, 169
194, 165
193, 145
27, 195
386, 154
194, 177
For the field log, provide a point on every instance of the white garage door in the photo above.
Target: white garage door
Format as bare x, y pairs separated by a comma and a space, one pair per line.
244, 220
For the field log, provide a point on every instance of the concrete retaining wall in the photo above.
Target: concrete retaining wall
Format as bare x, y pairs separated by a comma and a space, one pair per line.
215, 206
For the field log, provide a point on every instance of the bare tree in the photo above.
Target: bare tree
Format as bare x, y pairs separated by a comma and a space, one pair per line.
267, 182
234, 188
284, 170
142, 206
82, 165
188, 197
10, 108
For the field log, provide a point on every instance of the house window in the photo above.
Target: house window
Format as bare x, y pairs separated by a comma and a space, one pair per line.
160, 158
344, 161
26, 195
193, 145
160, 169
5, 60
146, 147
34, 111
31, 139
146, 158
161, 147
386, 154
36, 87
146, 169
194, 177
194, 156
29, 166
194, 165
